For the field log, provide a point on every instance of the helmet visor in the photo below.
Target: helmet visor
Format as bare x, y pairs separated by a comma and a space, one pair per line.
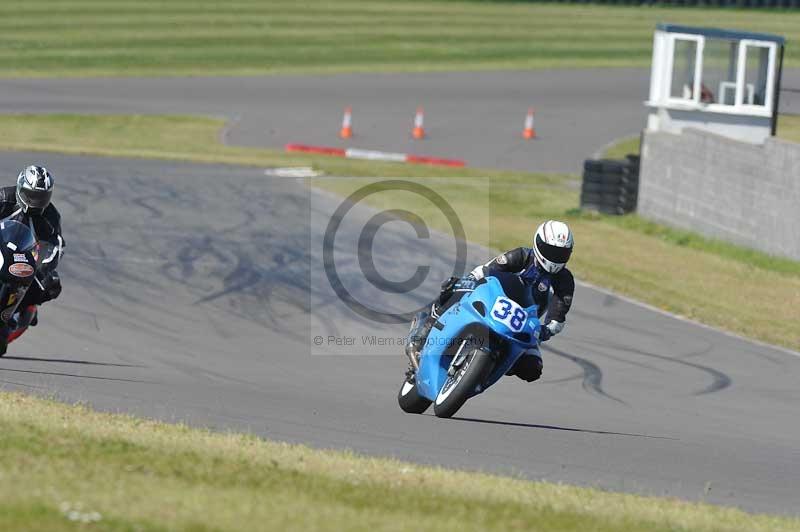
36, 199
555, 254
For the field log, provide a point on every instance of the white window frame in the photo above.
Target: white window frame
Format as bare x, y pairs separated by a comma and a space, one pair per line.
750, 90
736, 108
699, 41
741, 70
662, 77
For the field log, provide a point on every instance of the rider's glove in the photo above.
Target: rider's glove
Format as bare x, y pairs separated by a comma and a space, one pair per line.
544, 334
477, 273
52, 287
550, 330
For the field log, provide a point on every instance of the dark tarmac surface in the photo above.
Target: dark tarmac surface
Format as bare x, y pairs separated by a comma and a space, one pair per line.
192, 293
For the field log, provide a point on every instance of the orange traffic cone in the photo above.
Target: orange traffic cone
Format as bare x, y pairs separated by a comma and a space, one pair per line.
529, 132
418, 132
347, 123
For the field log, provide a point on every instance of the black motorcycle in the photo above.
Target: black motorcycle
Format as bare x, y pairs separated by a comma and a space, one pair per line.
23, 261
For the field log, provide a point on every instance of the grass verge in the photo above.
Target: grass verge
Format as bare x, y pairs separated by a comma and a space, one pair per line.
241, 37
712, 282
69, 468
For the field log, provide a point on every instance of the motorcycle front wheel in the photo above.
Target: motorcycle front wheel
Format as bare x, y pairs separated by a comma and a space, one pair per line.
459, 386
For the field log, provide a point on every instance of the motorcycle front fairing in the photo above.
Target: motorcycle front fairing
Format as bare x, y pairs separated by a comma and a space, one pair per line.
476, 311
19, 259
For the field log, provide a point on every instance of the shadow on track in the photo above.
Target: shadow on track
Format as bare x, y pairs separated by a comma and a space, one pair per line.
68, 361
554, 427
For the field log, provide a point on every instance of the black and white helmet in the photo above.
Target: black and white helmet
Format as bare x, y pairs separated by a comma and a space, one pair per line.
34, 189
552, 245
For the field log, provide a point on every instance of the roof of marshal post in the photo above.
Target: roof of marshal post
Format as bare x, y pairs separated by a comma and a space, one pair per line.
722, 34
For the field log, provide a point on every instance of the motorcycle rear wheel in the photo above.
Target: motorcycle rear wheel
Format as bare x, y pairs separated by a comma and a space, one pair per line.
409, 398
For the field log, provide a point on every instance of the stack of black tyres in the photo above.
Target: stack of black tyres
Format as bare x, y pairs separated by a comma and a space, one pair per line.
610, 186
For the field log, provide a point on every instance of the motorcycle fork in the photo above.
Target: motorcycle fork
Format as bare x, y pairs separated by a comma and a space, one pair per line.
458, 359
461, 355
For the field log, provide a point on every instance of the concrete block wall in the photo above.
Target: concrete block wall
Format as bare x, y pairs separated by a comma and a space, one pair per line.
722, 188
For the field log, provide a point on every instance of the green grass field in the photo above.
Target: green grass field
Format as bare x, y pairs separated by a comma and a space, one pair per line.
625, 254
208, 37
68, 468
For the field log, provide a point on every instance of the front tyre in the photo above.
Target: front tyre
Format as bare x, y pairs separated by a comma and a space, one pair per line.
409, 398
459, 386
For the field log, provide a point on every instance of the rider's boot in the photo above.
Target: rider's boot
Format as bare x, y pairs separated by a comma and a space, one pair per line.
30, 315
423, 322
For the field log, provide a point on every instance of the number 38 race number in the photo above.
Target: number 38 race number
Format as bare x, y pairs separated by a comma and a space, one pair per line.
509, 313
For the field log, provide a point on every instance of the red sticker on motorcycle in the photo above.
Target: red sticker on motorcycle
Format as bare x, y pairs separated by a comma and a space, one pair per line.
21, 269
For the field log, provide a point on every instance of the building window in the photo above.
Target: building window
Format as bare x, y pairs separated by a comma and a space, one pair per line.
756, 75
684, 68
720, 57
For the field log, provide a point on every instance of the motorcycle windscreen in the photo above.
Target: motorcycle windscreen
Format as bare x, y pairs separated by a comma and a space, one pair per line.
515, 288
17, 236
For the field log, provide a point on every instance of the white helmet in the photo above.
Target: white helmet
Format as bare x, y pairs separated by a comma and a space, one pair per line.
552, 245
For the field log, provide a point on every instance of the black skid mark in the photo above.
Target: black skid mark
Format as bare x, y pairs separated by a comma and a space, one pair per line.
144, 203
592, 374
699, 352
719, 380
632, 362
76, 197
72, 361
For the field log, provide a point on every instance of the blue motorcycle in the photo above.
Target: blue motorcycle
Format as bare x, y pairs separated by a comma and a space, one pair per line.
473, 344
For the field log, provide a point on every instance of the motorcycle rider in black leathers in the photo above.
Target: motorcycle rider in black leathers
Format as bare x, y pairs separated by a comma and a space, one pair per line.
541, 267
29, 203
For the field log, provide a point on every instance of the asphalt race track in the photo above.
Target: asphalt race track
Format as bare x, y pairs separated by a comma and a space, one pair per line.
192, 293
475, 116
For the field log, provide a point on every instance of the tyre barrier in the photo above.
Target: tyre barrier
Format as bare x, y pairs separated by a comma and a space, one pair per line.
610, 186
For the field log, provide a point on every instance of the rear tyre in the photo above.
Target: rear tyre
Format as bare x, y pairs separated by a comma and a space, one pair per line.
458, 388
409, 398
